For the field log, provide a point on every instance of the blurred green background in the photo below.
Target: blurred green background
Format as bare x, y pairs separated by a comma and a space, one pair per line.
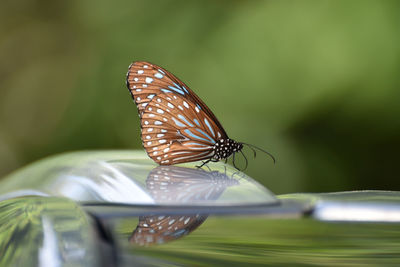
316, 83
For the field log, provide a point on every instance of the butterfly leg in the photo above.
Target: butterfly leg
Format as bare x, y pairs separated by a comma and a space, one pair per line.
234, 163
204, 163
209, 168
239, 174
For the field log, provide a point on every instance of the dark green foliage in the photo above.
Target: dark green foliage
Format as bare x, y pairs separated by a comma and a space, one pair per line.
316, 83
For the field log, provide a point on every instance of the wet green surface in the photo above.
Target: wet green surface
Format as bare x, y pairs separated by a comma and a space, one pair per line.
36, 231
238, 241
218, 241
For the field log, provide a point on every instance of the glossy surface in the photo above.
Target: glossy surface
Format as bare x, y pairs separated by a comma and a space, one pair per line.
240, 240
352, 206
130, 177
118, 209
37, 231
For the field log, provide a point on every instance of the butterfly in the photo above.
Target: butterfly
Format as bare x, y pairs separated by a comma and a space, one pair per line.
176, 125
171, 184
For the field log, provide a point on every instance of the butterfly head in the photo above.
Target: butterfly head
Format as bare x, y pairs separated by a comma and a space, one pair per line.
225, 147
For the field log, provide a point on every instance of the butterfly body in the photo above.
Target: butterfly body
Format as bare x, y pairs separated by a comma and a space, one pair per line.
224, 148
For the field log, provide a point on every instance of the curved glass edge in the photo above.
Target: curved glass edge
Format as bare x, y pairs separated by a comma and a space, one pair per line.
351, 206
37, 231
130, 177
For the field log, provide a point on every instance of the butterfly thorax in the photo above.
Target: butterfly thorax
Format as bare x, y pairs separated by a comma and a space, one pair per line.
223, 148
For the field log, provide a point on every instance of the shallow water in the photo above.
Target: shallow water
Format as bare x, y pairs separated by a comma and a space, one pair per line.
240, 240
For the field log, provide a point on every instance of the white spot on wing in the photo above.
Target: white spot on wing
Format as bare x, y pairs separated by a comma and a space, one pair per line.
140, 71
158, 75
185, 104
158, 123
162, 141
160, 111
149, 80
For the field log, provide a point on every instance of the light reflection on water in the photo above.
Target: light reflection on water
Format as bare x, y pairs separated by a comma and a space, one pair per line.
119, 177
240, 241
133, 199
170, 184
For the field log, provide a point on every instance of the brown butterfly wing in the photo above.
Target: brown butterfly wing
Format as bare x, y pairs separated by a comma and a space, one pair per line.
176, 125
153, 230
145, 79
175, 130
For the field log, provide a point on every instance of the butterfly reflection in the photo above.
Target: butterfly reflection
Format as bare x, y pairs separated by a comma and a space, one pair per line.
171, 184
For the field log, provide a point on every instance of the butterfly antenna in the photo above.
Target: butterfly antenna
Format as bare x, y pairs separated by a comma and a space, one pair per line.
253, 147
244, 156
254, 151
